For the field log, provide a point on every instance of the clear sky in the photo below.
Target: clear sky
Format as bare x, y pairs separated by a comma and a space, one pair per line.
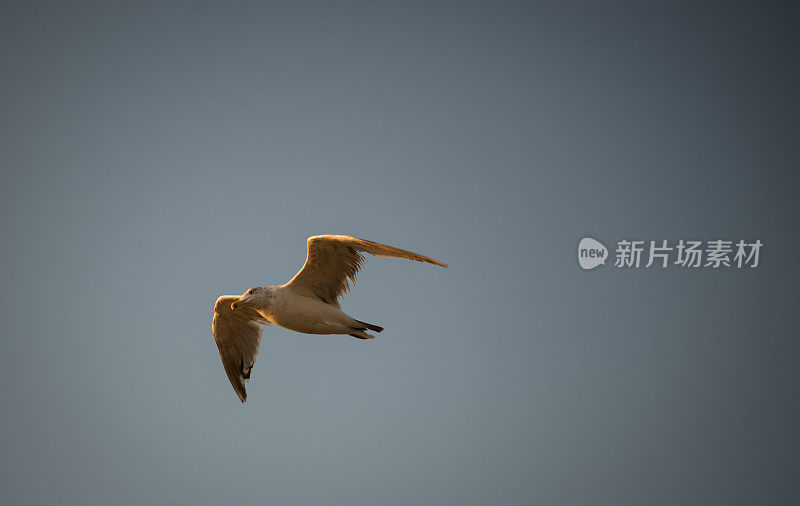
157, 156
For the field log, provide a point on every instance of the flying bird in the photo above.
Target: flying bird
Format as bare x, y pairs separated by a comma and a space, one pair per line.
308, 303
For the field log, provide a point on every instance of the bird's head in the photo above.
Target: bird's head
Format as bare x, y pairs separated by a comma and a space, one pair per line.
251, 298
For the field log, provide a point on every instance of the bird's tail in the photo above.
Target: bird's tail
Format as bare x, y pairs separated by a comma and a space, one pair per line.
370, 326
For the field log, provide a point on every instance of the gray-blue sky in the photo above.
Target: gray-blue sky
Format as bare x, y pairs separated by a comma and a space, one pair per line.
155, 157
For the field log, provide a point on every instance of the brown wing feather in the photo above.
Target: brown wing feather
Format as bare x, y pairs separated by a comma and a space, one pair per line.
238, 336
333, 262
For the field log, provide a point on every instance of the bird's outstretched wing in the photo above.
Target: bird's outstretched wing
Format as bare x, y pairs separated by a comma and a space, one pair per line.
333, 261
238, 335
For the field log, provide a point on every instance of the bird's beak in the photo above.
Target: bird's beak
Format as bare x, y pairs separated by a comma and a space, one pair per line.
241, 302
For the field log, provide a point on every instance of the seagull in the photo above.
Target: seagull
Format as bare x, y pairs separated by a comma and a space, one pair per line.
308, 303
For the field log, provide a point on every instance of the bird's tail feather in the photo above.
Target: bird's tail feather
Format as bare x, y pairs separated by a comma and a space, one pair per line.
370, 326
360, 334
